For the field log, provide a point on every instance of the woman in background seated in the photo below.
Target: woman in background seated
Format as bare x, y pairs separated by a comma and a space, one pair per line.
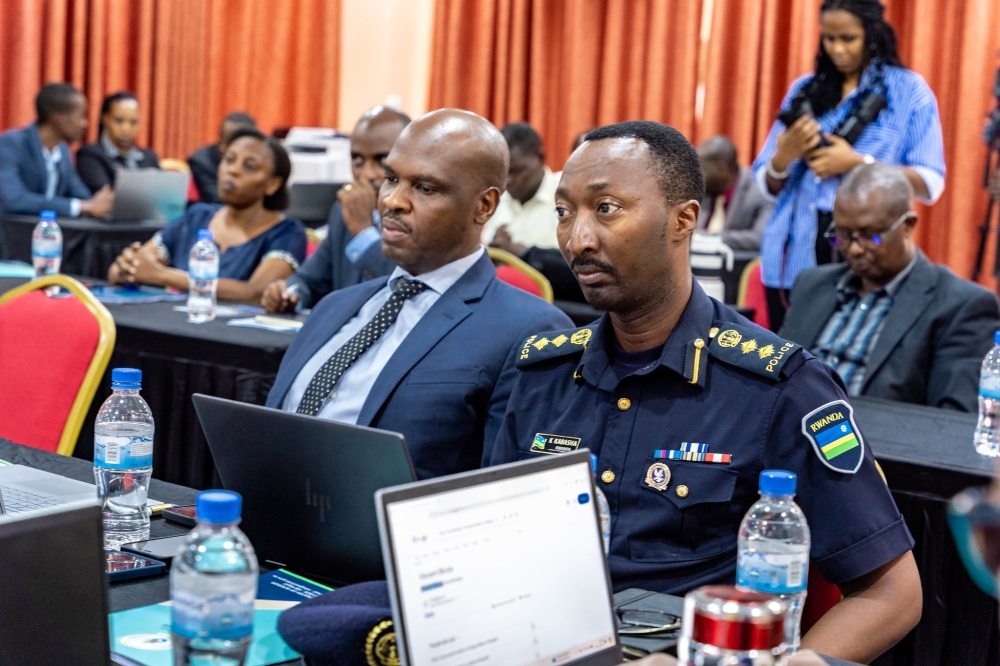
257, 244
97, 163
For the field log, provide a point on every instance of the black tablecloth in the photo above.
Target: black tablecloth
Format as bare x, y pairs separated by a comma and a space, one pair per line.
927, 456
89, 246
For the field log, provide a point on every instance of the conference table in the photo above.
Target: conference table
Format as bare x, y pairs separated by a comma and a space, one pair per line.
90, 245
137, 592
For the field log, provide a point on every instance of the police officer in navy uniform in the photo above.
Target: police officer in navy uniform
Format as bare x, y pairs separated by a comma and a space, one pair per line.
685, 402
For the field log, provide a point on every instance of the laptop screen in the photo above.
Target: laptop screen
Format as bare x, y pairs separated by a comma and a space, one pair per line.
506, 572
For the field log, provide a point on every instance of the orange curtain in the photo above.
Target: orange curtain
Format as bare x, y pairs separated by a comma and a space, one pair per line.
709, 67
188, 61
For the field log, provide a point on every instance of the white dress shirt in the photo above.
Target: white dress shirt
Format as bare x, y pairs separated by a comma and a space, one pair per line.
533, 223
52, 159
352, 390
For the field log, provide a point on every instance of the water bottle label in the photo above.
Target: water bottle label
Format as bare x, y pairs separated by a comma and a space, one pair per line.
123, 451
989, 385
203, 270
776, 573
46, 249
225, 616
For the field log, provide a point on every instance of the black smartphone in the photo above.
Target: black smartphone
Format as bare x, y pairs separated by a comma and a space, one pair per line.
182, 515
120, 566
162, 549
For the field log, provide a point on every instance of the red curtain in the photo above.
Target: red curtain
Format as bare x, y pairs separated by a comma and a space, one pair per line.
188, 61
709, 67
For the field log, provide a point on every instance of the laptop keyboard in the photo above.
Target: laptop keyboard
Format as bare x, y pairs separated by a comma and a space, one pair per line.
16, 500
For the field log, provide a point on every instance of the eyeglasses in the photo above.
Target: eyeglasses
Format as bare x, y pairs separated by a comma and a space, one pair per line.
840, 239
975, 524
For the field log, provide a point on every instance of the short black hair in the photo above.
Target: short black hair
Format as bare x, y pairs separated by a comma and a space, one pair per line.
523, 136
282, 165
675, 160
110, 101
53, 99
240, 118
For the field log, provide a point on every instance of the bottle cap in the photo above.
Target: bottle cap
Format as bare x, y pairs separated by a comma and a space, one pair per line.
996, 338
218, 507
128, 376
777, 482
593, 462
48, 215
205, 234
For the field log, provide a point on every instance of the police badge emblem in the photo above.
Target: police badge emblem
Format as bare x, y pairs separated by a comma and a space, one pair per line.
658, 476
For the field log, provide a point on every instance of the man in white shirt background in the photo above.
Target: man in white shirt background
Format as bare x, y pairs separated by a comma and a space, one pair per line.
526, 215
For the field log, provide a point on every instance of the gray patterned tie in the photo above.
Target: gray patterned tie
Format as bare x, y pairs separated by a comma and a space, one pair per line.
327, 377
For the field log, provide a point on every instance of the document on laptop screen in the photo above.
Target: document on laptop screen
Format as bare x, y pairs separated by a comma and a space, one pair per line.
509, 573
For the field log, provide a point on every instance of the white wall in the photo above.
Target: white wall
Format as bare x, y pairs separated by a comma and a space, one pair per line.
385, 49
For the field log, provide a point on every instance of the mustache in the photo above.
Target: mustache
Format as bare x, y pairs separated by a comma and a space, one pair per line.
388, 215
583, 261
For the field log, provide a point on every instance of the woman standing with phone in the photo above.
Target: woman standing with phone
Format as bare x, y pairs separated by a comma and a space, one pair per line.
802, 163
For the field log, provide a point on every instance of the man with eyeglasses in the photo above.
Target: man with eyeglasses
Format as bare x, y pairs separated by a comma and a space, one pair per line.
893, 324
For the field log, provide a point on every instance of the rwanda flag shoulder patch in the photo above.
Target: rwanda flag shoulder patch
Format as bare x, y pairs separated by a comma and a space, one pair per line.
835, 436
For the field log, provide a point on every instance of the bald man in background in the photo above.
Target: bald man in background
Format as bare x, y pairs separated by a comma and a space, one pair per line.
893, 324
421, 352
352, 251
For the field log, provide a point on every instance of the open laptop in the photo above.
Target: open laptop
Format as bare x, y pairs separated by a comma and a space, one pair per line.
150, 194
501, 566
27, 489
54, 608
307, 485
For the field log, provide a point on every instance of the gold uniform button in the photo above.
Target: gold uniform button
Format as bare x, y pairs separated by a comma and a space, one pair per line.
624, 404
682, 491
607, 476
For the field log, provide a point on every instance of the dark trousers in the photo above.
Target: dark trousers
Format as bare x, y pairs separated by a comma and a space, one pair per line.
777, 299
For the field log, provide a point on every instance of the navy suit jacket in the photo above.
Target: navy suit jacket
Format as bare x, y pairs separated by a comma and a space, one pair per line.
329, 269
23, 176
442, 389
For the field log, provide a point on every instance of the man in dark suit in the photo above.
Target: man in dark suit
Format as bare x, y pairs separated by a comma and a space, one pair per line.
890, 322
733, 206
352, 249
421, 352
36, 170
204, 162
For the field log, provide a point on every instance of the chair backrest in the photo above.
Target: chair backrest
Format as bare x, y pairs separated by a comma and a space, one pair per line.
174, 164
53, 353
752, 294
521, 275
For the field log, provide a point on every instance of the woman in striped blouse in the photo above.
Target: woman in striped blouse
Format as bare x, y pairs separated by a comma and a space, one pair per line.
857, 58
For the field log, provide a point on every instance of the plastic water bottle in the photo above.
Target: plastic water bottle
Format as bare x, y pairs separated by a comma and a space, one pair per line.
213, 584
603, 508
203, 278
987, 436
46, 245
774, 548
123, 459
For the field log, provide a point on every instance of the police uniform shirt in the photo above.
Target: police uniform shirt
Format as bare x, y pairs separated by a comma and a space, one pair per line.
724, 390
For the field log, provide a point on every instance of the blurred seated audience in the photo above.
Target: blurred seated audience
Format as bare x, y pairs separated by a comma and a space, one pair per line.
352, 249
734, 206
257, 244
526, 216
98, 163
893, 324
204, 162
36, 169
420, 352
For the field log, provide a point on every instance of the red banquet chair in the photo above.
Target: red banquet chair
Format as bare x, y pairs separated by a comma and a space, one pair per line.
752, 295
515, 272
53, 353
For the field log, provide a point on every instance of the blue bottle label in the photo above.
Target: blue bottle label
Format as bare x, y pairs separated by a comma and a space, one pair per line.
989, 385
224, 616
203, 270
784, 573
123, 451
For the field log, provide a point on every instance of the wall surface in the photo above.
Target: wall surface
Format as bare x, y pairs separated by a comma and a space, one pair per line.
385, 50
